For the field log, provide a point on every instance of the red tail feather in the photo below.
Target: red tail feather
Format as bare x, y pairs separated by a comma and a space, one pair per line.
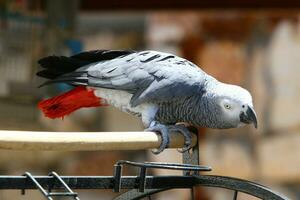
68, 102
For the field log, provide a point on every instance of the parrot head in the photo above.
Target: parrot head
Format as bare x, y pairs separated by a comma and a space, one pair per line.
234, 105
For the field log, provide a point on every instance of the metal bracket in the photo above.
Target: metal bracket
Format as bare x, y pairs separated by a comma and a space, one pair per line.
143, 171
191, 157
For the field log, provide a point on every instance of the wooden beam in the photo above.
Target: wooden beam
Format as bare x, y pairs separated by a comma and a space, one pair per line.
85, 141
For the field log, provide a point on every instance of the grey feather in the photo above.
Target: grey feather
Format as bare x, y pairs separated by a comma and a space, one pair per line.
148, 77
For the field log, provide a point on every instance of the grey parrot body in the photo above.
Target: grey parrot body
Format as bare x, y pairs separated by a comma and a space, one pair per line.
161, 88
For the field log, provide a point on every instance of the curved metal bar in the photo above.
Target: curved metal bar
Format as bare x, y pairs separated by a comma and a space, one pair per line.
240, 185
237, 185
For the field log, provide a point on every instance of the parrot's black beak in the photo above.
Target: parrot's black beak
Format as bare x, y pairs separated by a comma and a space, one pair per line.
249, 116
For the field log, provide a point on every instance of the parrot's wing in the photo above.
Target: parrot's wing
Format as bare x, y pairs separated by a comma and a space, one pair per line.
150, 76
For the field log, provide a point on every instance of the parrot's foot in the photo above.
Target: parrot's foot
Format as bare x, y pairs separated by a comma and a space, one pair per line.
164, 132
186, 134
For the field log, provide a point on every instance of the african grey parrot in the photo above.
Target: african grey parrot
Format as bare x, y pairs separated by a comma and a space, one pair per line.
160, 88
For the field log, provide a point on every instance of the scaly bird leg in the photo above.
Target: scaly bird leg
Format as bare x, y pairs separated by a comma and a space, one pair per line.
186, 134
164, 132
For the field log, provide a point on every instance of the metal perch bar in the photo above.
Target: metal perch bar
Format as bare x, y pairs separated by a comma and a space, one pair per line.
86, 141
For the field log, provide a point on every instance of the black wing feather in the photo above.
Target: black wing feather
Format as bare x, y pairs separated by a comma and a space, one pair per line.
57, 68
68, 80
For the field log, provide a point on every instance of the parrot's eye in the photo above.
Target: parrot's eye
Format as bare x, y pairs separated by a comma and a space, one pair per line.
227, 106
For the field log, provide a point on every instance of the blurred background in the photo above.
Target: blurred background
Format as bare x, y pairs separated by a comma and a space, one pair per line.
253, 44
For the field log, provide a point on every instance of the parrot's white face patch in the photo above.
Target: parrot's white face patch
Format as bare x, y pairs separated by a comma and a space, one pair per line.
231, 110
233, 100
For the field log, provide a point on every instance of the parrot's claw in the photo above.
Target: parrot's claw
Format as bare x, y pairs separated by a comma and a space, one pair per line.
164, 132
186, 134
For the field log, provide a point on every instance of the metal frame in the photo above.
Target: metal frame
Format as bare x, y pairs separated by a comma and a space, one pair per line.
153, 184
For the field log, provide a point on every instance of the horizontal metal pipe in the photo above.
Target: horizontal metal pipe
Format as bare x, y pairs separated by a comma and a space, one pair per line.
86, 141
